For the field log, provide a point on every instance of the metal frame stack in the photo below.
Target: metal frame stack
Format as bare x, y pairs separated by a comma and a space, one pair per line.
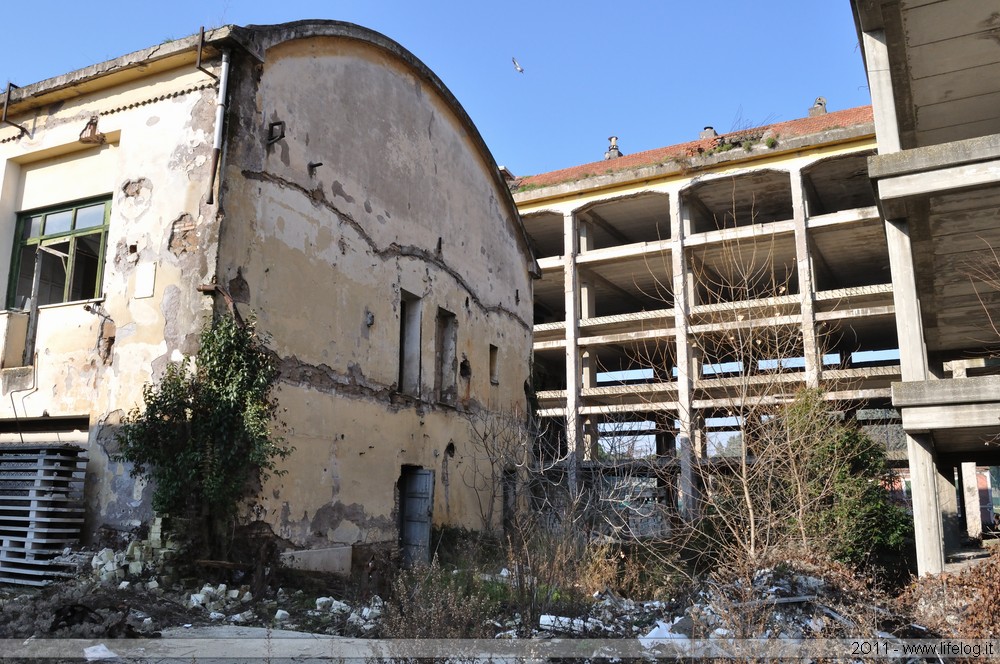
41, 509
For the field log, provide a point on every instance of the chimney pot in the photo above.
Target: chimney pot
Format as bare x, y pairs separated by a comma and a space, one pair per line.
708, 132
613, 152
818, 107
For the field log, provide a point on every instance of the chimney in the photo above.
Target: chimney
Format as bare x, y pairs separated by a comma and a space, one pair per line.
613, 151
707, 132
818, 107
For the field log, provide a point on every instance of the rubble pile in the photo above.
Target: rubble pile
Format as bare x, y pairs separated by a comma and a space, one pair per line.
785, 604
141, 557
960, 605
610, 616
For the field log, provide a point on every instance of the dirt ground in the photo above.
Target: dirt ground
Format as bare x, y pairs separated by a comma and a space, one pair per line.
950, 605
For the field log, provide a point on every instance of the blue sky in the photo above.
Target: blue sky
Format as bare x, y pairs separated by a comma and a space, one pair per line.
652, 73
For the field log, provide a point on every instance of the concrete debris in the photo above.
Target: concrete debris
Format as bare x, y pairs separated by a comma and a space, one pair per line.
281, 615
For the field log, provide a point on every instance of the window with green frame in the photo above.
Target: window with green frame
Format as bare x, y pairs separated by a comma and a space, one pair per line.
70, 240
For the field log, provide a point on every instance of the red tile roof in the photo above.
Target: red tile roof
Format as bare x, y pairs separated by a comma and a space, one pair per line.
792, 128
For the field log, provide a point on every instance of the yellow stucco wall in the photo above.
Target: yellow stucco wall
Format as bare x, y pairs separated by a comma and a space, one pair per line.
402, 200
405, 199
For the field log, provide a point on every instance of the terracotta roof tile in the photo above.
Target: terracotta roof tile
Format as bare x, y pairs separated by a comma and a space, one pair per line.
800, 127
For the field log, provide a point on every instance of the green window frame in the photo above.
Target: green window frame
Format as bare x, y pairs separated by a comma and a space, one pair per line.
71, 240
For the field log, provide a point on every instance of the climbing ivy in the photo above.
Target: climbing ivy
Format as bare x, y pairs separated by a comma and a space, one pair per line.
205, 437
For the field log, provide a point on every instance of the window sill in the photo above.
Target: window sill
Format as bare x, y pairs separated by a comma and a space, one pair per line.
57, 305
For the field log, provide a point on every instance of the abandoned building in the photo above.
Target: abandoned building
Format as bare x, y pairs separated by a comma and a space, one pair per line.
657, 266
853, 243
317, 176
932, 69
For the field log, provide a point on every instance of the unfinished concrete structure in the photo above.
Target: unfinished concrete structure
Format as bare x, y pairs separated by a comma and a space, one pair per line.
315, 174
656, 265
934, 72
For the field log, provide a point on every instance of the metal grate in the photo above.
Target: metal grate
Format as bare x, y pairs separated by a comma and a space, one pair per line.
41, 510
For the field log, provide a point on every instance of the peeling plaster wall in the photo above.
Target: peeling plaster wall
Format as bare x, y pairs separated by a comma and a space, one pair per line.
94, 357
403, 200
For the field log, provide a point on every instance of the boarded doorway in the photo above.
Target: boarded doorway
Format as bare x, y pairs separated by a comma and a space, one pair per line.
416, 503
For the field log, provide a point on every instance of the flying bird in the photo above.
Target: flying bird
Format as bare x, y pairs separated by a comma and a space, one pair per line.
517, 66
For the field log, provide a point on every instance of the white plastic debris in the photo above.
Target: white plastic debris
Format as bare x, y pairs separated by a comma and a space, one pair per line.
662, 631
100, 651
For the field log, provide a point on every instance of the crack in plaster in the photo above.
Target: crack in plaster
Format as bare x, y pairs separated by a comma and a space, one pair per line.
318, 198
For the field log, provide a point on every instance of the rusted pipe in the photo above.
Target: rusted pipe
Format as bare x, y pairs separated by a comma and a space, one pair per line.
220, 115
6, 103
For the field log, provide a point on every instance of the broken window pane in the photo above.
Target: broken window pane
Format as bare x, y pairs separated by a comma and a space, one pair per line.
74, 272
86, 267
52, 282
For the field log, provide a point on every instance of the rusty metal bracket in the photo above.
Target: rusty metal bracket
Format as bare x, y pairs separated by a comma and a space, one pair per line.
201, 47
90, 134
275, 132
230, 302
6, 101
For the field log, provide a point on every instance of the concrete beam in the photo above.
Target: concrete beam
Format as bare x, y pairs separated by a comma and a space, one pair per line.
944, 179
637, 250
860, 312
741, 233
958, 417
956, 391
935, 157
627, 337
855, 216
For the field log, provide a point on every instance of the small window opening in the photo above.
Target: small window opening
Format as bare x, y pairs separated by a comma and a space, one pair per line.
494, 365
446, 356
408, 380
465, 369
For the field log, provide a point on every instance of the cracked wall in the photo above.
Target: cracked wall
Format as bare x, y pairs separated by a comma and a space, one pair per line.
401, 200
93, 357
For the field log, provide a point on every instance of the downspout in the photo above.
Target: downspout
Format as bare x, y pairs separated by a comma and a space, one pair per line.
220, 114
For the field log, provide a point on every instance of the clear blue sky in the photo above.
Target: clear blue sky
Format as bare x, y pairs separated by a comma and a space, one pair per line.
651, 72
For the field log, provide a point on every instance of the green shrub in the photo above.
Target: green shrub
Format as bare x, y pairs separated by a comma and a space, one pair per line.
204, 438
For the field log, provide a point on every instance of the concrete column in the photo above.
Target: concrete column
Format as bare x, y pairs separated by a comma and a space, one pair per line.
927, 522
588, 359
951, 523
924, 480
687, 487
880, 85
810, 344
970, 495
574, 433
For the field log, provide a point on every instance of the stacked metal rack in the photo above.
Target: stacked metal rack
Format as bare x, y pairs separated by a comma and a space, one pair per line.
41, 509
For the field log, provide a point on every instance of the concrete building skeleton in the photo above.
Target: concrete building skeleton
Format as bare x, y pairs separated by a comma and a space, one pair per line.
647, 258
934, 73
656, 261
315, 174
